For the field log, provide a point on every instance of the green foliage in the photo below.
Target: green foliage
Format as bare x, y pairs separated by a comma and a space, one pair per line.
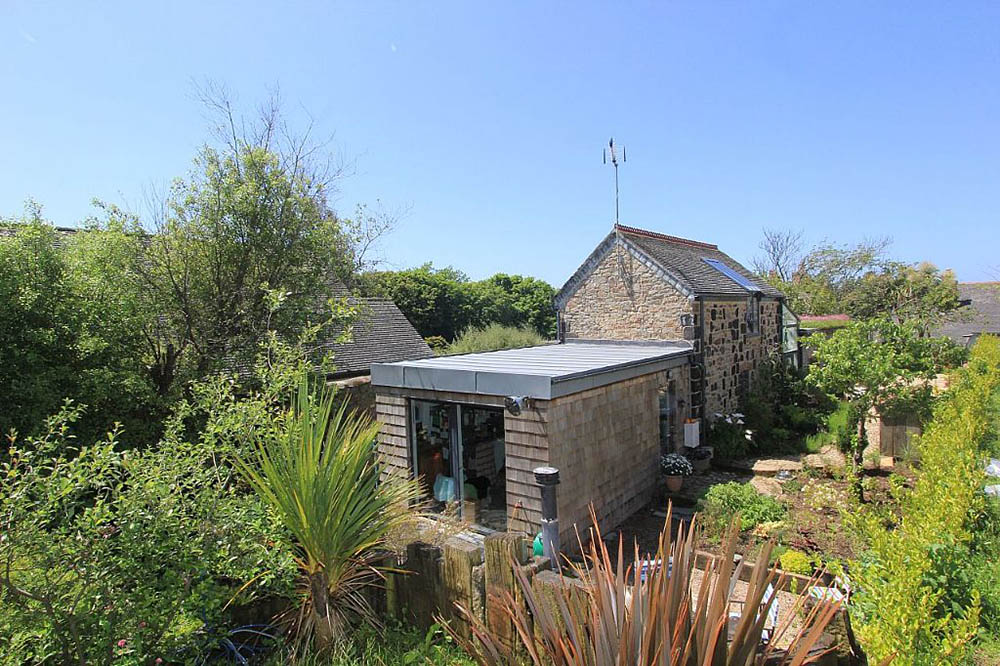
494, 337
126, 556
436, 343
321, 478
71, 330
723, 501
837, 430
444, 302
907, 581
902, 293
729, 438
882, 365
795, 561
778, 412
396, 644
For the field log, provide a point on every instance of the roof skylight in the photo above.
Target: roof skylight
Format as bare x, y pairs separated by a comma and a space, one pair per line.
731, 274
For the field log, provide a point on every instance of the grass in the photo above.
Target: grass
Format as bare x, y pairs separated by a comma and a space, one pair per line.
493, 338
397, 644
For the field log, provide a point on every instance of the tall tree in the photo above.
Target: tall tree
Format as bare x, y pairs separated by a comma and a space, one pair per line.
879, 365
250, 226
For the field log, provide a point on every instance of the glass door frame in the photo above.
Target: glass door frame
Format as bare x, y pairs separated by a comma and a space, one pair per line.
455, 446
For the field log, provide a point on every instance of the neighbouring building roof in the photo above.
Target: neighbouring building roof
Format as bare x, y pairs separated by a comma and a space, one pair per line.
543, 372
979, 314
381, 334
693, 267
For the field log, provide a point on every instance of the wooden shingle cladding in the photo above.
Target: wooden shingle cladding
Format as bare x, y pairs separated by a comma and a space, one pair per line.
605, 443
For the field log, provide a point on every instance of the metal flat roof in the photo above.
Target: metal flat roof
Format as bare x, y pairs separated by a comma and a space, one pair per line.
543, 372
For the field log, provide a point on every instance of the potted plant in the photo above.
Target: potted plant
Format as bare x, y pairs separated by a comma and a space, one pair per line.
675, 467
700, 457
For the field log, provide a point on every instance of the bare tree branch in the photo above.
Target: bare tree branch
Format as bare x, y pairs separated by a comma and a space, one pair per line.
782, 250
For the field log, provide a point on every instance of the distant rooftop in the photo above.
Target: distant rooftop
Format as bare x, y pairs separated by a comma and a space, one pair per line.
543, 372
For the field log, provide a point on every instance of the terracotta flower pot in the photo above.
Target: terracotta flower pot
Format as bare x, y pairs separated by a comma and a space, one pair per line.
674, 483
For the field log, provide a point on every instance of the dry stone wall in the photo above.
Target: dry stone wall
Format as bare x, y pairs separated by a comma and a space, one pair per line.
731, 354
606, 307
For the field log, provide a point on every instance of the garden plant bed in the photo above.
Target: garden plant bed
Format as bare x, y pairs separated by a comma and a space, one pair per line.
813, 523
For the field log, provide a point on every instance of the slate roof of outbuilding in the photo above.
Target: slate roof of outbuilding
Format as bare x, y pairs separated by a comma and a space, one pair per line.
381, 334
982, 315
679, 261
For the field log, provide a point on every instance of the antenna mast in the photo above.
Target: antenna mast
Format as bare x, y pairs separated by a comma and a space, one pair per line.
611, 150
624, 263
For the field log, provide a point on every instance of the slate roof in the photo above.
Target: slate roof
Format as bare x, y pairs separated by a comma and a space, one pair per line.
982, 315
679, 261
381, 334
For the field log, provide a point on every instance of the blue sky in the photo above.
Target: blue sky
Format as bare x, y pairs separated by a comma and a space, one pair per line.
487, 120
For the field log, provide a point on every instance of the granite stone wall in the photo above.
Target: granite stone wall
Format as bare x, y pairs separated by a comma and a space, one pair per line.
731, 353
607, 306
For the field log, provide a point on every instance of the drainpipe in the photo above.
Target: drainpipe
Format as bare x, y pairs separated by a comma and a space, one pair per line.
548, 479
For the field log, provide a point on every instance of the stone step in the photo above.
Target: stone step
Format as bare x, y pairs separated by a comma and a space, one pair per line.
761, 466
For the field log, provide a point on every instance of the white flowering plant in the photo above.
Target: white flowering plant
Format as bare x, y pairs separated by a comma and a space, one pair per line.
674, 464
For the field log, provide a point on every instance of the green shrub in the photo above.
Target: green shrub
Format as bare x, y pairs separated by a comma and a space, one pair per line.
795, 561
778, 412
126, 556
725, 500
836, 431
437, 343
396, 644
729, 440
493, 338
920, 590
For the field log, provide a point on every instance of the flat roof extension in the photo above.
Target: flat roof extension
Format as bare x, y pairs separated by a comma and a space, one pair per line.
543, 372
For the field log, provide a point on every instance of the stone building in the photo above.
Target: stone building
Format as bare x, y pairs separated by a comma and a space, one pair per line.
643, 285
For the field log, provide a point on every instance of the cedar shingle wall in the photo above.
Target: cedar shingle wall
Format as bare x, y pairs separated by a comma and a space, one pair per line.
393, 445
606, 444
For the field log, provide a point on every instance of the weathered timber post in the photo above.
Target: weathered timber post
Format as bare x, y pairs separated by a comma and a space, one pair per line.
548, 479
504, 552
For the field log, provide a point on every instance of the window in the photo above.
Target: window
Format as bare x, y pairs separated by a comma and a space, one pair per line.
731, 274
753, 315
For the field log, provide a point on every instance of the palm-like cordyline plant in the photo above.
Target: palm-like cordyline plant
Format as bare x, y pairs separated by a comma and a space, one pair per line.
323, 480
617, 618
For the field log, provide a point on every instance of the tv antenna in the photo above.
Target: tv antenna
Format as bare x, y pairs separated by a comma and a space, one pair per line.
624, 263
612, 151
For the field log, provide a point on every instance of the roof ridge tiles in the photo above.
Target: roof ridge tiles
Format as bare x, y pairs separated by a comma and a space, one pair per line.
658, 236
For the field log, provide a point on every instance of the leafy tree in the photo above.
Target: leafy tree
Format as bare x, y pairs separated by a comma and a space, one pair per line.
917, 597
70, 330
444, 302
879, 365
921, 294
433, 299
